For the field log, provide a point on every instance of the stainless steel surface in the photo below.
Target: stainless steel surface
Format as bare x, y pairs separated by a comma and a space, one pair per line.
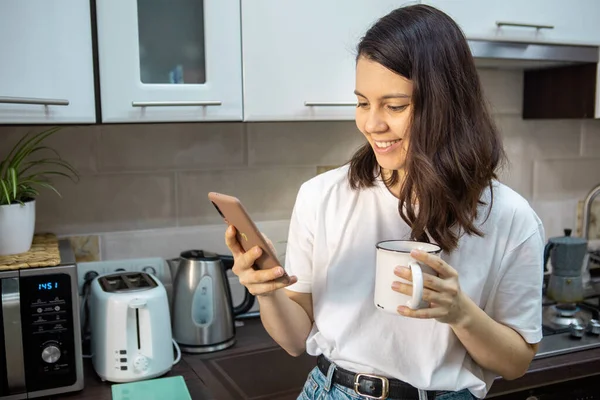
576, 330
207, 349
594, 327
587, 209
175, 103
554, 345
202, 309
13, 339
330, 103
51, 354
523, 51
521, 25
34, 101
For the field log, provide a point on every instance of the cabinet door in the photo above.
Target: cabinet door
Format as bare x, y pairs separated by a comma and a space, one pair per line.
46, 72
299, 56
549, 21
169, 61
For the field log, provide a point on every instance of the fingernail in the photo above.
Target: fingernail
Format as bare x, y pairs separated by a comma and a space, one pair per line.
395, 285
257, 250
415, 252
400, 270
279, 271
402, 309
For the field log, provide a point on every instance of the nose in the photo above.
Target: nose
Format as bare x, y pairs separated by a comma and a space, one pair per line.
375, 123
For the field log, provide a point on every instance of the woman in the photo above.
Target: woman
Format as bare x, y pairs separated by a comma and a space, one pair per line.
428, 173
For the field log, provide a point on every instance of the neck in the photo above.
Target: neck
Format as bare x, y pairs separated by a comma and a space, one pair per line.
395, 188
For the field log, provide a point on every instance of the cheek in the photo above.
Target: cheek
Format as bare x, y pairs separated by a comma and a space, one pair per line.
401, 125
360, 120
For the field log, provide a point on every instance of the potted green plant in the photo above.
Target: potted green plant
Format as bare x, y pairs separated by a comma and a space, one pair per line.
29, 166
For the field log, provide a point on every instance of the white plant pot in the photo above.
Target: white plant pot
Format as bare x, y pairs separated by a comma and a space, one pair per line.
17, 225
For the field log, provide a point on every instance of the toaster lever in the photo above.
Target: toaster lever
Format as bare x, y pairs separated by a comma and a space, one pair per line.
137, 303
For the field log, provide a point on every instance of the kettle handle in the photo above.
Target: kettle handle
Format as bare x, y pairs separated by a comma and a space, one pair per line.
248, 301
547, 249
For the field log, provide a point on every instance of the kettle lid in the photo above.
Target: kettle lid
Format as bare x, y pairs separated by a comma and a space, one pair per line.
200, 255
568, 239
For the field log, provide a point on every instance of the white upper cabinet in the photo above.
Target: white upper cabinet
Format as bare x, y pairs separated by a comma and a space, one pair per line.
299, 56
549, 21
170, 61
46, 72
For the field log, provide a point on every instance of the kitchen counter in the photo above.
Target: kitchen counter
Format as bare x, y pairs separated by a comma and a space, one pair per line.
256, 368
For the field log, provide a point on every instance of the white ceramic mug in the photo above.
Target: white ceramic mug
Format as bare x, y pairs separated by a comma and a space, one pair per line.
394, 253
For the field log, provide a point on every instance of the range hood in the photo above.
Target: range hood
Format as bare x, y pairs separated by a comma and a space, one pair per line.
523, 55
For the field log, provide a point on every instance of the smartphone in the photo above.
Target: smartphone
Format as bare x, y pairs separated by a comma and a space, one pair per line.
233, 212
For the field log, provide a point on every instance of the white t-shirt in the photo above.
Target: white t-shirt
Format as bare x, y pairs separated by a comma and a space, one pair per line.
331, 248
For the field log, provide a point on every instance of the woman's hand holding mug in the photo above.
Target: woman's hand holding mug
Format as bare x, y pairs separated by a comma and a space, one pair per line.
441, 290
428, 287
258, 282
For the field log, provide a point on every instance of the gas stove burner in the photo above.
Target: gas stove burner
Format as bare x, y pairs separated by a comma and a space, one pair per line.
561, 316
566, 310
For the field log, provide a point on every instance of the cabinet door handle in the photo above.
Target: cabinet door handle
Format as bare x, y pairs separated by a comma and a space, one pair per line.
174, 103
504, 23
330, 104
33, 100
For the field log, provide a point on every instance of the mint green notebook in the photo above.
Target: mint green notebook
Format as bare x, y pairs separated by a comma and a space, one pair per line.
172, 388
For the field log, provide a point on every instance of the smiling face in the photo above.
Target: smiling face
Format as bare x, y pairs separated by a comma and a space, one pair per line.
384, 112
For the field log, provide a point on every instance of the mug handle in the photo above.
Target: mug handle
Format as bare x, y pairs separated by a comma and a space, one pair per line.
417, 285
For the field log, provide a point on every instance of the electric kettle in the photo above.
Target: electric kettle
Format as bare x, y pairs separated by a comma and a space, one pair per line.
203, 312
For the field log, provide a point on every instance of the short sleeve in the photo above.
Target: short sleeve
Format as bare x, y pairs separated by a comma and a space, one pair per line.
517, 301
299, 252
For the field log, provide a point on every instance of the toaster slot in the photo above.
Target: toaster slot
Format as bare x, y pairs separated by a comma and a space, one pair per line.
137, 327
128, 281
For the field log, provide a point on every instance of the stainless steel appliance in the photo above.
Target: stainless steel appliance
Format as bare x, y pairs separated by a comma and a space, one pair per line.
203, 313
40, 350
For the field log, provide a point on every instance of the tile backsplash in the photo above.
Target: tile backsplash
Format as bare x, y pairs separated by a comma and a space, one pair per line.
149, 181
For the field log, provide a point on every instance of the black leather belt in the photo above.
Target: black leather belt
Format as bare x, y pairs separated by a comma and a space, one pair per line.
372, 386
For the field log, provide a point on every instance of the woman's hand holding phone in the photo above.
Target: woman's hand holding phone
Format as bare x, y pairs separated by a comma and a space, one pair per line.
259, 282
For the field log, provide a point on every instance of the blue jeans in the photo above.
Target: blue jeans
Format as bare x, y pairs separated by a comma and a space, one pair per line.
320, 387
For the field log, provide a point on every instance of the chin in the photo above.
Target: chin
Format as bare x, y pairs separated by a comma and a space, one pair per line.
390, 161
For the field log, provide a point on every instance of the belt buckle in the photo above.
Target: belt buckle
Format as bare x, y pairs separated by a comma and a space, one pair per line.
385, 386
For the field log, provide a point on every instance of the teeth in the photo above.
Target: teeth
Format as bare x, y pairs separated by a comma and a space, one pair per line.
383, 145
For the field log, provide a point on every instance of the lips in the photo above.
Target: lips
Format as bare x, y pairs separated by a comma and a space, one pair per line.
383, 146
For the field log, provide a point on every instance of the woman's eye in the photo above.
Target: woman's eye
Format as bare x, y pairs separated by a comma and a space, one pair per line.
397, 108
361, 105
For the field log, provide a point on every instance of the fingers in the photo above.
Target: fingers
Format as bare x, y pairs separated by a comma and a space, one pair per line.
261, 276
435, 262
269, 287
423, 313
429, 281
258, 282
232, 243
429, 295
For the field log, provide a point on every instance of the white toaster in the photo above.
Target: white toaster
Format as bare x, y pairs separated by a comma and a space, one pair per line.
130, 327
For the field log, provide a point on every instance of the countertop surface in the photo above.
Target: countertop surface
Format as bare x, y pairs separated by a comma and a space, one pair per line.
256, 368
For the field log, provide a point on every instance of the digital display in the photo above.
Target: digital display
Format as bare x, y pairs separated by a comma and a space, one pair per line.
47, 286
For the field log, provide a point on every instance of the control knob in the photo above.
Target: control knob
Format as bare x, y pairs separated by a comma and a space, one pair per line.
51, 354
576, 330
594, 327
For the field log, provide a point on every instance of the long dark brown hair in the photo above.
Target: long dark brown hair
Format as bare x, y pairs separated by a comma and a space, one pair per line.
454, 146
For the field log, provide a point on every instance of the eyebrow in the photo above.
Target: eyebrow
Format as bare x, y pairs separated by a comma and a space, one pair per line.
387, 96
